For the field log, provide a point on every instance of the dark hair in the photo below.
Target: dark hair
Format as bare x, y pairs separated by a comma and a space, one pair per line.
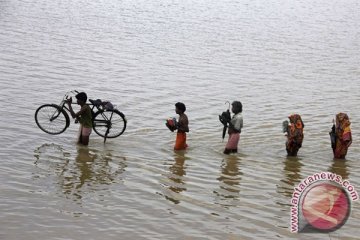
81, 96
237, 107
180, 106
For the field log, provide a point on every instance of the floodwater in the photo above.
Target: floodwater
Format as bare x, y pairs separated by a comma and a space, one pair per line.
277, 57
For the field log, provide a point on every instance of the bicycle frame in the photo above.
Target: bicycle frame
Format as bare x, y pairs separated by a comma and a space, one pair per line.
103, 113
105, 122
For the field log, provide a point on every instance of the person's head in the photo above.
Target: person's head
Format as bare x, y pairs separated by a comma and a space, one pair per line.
81, 98
342, 119
236, 107
180, 108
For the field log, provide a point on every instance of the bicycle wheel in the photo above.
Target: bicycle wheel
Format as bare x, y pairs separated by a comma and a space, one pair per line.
51, 119
109, 124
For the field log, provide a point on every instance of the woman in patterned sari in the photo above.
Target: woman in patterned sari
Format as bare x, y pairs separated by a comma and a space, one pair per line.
294, 133
340, 136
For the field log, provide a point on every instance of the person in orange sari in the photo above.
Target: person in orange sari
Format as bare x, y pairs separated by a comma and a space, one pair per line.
340, 136
294, 133
182, 126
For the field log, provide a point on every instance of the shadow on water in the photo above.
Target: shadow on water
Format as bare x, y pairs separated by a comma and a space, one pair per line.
87, 172
176, 177
229, 181
292, 175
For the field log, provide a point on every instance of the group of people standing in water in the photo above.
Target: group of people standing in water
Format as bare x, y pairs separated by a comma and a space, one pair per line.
340, 135
234, 124
293, 128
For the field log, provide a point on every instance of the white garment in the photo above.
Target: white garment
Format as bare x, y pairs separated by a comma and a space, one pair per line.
237, 121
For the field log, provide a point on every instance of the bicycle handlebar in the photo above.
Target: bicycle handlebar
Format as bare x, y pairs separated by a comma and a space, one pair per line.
67, 95
70, 93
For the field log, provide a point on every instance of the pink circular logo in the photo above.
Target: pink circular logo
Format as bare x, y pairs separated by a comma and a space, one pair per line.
326, 207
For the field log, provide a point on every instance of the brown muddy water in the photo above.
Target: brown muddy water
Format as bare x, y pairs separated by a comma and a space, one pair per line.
277, 57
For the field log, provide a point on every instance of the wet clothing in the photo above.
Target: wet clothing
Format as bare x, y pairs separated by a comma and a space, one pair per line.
180, 143
183, 128
85, 118
84, 131
341, 136
236, 123
295, 134
235, 126
232, 144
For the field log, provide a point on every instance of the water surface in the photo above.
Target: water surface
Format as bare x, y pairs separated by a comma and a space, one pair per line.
276, 57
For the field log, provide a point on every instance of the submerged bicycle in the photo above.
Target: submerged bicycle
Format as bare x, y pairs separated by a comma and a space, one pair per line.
108, 122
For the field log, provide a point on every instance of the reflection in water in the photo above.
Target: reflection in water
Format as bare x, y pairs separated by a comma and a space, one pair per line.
177, 171
75, 178
340, 167
229, 180
91, 170
84, 162
292, 176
